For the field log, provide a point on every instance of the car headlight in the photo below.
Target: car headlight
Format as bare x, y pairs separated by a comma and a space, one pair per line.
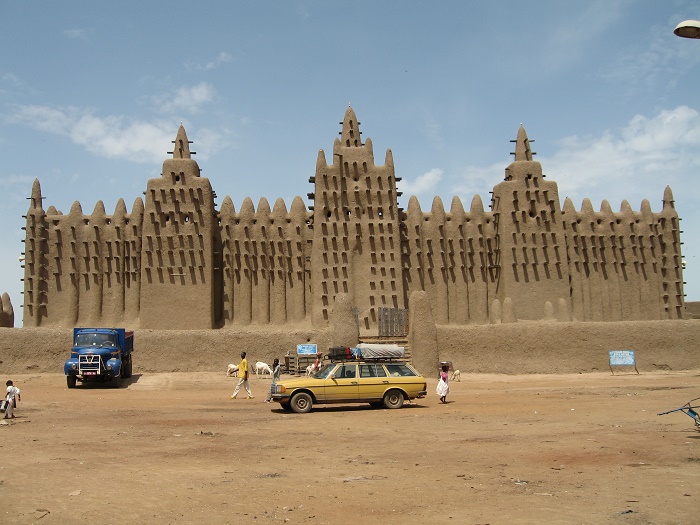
74, 366
108, 367
279, 389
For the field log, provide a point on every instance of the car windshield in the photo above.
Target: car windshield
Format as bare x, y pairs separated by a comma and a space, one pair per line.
325, 371
94, 340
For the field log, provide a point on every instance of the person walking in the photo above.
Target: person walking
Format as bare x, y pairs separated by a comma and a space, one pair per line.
11, 397
276, 372
242, 378
443, 388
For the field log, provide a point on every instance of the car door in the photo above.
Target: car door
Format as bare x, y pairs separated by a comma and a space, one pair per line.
342, 384
373, 381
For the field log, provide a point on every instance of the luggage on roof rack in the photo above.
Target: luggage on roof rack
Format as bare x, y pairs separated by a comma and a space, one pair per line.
366, 351
379, 351
340, 353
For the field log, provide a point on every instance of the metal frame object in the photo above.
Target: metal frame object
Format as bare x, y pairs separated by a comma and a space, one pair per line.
689, 410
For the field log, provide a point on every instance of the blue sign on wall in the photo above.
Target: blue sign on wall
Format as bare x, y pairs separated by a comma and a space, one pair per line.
622, 358
306, 350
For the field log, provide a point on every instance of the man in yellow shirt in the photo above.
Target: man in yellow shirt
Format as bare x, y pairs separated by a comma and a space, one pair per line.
242, 378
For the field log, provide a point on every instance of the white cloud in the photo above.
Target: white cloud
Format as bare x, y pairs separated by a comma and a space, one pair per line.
14, 180
422, 184
648, 151
220, 59
13, 79
44, 118
476, 180
185, 100
111, 136
114, 136
210, 141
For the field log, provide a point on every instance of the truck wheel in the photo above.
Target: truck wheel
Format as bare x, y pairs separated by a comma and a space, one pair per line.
129, 367
126, 368
301, 403
70, 381
393, 399
117, 381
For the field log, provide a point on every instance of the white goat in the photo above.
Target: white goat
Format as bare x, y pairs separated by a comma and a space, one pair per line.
310, 370
232, 370
456, 376
262, 369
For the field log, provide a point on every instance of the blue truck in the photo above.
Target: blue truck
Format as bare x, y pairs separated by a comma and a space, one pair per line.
100, 354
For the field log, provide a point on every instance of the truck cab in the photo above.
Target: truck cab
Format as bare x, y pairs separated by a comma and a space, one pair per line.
100, 354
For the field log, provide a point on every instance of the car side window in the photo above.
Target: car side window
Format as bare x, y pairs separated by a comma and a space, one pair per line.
399, 370
372, 370
346, 372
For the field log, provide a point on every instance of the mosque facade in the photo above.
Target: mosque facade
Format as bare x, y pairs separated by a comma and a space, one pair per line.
177, 261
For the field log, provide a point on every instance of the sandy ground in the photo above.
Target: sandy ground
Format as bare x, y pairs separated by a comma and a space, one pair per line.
173, 448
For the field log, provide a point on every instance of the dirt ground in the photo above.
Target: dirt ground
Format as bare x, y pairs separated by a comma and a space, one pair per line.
173, 448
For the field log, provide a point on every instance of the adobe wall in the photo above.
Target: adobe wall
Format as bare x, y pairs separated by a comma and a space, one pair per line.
561, 348
518, 348
7, 313
692, 310
180, 263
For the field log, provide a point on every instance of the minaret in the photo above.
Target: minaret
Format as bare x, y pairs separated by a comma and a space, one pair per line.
35, 260
672, 295
356, 244
177, 272
530, 249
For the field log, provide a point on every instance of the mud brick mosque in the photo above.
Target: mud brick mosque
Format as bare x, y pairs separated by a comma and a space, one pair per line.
178, 261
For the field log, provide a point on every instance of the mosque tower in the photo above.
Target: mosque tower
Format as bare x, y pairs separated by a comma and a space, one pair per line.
530, 244
35, 261
177, 270
356, 246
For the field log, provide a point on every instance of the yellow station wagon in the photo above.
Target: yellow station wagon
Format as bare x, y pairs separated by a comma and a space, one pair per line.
379, 383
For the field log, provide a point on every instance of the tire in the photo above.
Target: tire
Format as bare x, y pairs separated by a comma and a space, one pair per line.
393, 399
286, 407
129, 368
117, 380
301, 403
70, 381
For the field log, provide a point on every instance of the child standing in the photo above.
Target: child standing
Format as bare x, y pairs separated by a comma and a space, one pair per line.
276, 372
11, 397
443, 388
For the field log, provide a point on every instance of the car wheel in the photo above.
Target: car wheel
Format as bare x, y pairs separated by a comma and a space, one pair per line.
393, 399
286, 407
70, 381
301, 403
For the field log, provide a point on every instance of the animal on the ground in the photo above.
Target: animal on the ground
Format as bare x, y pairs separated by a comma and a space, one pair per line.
232, 370
456, 376
262, 369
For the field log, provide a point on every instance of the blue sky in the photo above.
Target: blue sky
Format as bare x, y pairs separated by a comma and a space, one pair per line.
92, 94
